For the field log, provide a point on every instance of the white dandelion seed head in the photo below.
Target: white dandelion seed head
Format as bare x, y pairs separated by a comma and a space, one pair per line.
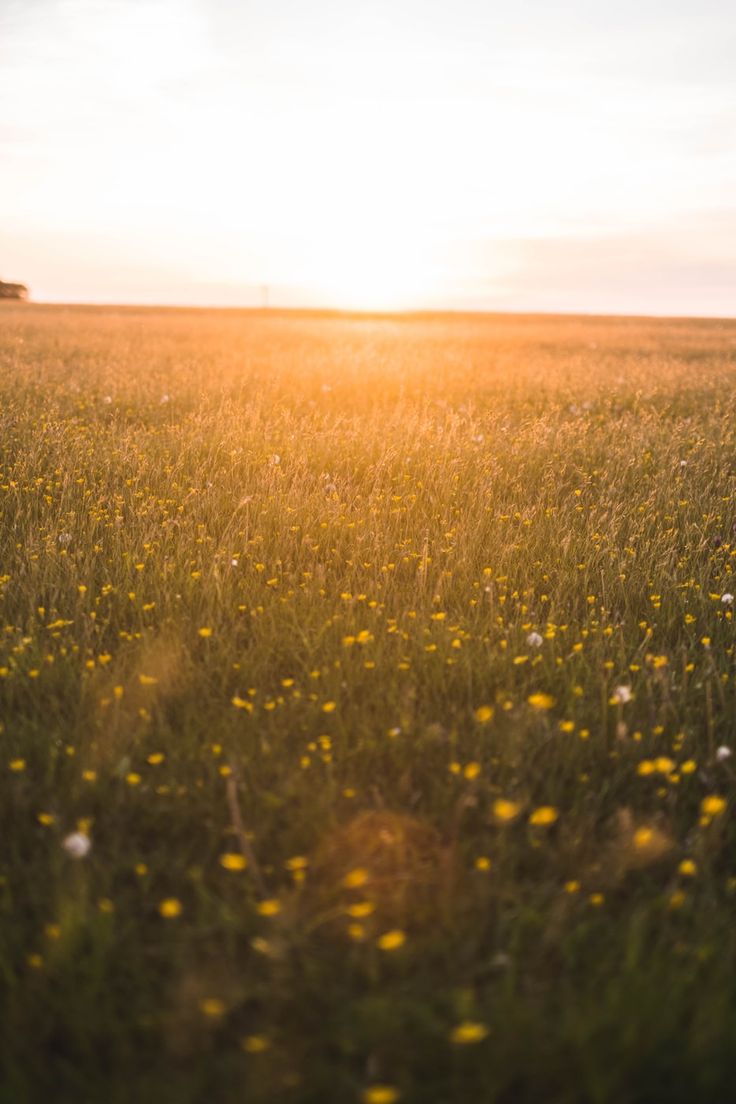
723, 753
727, 599
534, 640
622, 694
77, 844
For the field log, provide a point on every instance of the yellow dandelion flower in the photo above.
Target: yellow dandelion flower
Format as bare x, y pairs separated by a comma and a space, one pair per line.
329, 707
233, 860
360, 909
147, 680
133, 779
483, 863
356, 878
156, 758
544, 815
297, 863
468, 1032
270, 907
170, 908
712, 806
688, 868
471, 771
17, 765
380, 1094
505, 810
242, 703
204, 632
541, 702
391, 940
484, 714
572, 886
643, 838
212, 1006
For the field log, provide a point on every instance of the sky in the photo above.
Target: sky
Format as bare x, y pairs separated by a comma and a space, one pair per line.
551, 155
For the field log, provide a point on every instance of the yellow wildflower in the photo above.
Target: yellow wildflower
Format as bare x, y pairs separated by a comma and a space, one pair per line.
712, 806
380, 1094
505, 810
544, 815
356, 878
170, 908
468, 1032
541, 702
270, 907
391, 940
233, 860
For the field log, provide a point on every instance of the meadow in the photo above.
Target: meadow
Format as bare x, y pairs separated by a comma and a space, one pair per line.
368, 694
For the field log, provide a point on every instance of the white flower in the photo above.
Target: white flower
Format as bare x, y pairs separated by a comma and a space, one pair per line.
534, 640
165, 398
274, 460
622, 694
683, 463
727, 599
65, 538
107, 399
77, 844
233, 562
723, 753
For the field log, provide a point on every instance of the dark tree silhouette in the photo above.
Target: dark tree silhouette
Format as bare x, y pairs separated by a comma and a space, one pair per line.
13, 291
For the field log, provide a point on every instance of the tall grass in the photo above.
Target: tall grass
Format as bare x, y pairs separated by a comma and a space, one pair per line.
388, 667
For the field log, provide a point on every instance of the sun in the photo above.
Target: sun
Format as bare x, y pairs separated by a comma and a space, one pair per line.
365, 262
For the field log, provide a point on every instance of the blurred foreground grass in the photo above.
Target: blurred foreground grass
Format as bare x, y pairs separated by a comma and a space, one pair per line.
367, 692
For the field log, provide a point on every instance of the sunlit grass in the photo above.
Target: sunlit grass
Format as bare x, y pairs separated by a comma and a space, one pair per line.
367, 696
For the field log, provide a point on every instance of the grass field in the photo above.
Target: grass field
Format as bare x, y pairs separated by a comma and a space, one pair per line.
387, 666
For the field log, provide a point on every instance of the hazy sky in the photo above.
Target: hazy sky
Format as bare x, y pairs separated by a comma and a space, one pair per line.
533, 154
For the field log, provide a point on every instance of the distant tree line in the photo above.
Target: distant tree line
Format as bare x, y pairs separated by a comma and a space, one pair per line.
13, 291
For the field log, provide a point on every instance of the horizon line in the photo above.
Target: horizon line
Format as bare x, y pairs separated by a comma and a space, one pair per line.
368, 313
